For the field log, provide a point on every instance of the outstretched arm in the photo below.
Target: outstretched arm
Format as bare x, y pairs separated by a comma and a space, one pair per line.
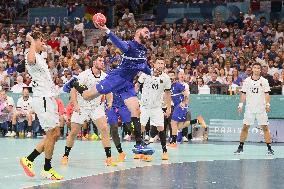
31, 54
122, 45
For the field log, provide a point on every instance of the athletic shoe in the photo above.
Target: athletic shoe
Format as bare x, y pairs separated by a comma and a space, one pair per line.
110, 162
27, 166
8, 134
270, 152
29, 135
165, 156
147, 158
147, 138
201, 121
138, 156
51, 174
121, 157
239, 150
172, 145
184, 139
64, 160
127, 138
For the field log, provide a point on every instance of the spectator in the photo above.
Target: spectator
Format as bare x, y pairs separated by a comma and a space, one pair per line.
18, 88
202, 88
276, 88
221, 76
232, 87
128, 19
264, 73
215, 86
79, 31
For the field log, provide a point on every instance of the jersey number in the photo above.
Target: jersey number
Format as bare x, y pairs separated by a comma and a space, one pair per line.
254, 90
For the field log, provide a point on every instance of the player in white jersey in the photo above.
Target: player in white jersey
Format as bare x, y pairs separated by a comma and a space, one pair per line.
24, 111
44, 105
93, 109
255, 92
155, 87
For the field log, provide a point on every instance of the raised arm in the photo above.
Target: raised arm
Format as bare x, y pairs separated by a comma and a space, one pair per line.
122, 45
31, 54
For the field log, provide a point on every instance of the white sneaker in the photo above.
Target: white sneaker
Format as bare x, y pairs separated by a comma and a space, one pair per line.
184, 139
147, 138
8, 134
127, 138
29, 135
13, 134
151, 140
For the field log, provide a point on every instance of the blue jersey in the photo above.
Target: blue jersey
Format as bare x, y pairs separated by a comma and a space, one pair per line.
117, 101
134, 58
177, 96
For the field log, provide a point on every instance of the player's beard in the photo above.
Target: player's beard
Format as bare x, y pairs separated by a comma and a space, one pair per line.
142, 39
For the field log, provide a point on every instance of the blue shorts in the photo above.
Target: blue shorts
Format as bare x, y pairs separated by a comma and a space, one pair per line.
179, 114
116, 84
114, 113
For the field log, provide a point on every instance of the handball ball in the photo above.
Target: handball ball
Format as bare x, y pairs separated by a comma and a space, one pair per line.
99, 18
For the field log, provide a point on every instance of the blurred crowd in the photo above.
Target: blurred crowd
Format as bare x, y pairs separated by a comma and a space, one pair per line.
215, 56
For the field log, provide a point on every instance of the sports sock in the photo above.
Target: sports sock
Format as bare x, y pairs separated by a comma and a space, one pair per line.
33, 155
47, 164
119, 148
67, 151
162, 135
108, 152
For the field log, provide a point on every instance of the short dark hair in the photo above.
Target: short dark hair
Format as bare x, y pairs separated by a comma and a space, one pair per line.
37, 35
256, 64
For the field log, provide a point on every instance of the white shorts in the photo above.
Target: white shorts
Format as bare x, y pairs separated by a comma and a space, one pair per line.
156, 116
249, 118
47, 112
86, 114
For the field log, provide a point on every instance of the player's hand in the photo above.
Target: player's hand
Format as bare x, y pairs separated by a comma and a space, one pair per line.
77, 108
267, 107
29, 38
101, 27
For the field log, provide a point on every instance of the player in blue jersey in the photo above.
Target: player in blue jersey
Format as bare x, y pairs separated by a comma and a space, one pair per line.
181, 116
120, 80
118, 109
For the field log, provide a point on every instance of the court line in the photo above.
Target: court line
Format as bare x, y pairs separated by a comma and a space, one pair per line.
141, 166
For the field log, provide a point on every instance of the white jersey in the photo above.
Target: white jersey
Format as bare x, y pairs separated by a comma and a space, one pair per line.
42, 83
255, 94
153, 89
25, 105
90, 80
